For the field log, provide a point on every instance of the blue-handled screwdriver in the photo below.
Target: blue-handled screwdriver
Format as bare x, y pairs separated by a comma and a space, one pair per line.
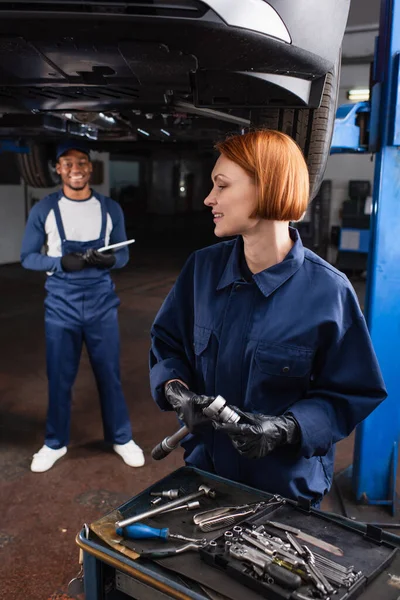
140, 531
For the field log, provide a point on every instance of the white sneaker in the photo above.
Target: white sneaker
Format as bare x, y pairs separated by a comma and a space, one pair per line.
45, 458
130, 453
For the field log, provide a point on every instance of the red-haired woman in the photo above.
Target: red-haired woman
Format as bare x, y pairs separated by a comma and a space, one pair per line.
268, 325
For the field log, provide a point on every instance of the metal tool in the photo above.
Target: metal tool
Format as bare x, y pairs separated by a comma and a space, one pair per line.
203, 490
225, 516
317, 572
265, 567
189, 506
140, 531
271, 546
165, 552
297, 547
306, 537
170, 494
217, 411
156, 501
113, 246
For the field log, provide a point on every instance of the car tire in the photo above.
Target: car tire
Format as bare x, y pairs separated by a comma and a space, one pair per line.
37, 168
312, 129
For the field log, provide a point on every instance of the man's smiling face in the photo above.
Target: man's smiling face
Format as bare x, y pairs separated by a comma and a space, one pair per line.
75, 169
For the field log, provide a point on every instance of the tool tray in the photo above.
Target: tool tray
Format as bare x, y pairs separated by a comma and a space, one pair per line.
367, 553
368, 548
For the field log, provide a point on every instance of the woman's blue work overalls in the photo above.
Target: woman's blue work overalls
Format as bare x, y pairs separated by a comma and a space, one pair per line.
82, 307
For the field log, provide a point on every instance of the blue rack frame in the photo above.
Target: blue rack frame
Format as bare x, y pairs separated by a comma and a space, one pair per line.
376, 446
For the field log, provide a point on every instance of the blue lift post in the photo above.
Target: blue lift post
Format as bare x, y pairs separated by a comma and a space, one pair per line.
375, 454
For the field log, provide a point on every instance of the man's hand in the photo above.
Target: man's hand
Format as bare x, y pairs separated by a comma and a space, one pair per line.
100, 260
73, 262
188, 405
257, 435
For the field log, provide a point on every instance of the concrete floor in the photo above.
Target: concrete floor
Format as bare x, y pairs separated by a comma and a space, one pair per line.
42, 513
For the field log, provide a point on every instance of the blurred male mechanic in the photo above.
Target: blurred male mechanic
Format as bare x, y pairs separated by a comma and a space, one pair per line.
81, 304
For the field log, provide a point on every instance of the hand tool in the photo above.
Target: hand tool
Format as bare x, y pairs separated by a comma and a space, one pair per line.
140, 531
278, 574
189, 506
156, 501
273, 548
203, 490
112, 246
165, 552
317, 572
170, 494
287, 560
217, 410
306, 537
298, 547
225, 516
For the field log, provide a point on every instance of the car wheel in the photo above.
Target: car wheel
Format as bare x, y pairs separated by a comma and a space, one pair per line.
37, 168
312, 129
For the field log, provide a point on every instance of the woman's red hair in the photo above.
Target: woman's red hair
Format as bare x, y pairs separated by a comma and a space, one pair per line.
276, 163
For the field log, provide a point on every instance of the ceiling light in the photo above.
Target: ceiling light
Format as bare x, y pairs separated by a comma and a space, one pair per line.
165, 132
107, 118
358, 95
143, 131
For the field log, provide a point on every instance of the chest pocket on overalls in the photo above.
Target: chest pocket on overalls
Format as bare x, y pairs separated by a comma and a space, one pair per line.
201, 343
280, 376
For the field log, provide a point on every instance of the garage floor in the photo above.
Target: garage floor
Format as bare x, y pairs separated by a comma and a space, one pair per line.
42, 513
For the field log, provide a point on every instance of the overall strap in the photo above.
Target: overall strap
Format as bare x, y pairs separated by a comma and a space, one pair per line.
103, 203
57, 214
103, 217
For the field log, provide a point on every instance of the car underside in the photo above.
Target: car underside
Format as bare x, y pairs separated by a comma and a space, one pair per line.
179, 71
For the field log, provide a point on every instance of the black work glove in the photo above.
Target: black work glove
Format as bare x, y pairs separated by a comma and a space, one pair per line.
188, 405
257, 435
100, 260
73, 262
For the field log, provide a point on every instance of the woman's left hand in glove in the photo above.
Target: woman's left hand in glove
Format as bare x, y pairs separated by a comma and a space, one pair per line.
257, 435
101, 260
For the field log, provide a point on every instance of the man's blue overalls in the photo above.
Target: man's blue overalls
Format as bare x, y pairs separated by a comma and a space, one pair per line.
82, 307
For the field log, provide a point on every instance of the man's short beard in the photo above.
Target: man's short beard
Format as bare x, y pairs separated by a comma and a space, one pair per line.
75, 188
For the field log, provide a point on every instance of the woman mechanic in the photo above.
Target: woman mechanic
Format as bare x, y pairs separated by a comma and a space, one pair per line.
268, 325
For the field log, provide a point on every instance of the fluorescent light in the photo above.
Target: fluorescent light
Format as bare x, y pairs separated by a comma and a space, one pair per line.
358, 95
143, 131
165, 132
107, 118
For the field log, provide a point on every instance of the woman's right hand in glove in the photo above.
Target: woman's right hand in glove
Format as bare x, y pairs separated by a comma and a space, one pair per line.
188, 405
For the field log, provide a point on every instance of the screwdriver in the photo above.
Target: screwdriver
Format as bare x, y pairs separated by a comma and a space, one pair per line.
140, 531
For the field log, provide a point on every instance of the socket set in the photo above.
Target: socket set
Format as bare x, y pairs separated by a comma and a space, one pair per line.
282, 561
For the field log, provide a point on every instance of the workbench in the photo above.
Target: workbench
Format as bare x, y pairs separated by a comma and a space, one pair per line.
110, 575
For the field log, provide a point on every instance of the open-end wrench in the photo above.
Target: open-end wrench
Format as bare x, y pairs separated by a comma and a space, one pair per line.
316, 571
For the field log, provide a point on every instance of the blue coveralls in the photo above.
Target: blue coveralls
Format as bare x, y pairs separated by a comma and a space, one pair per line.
81, 307
293, 339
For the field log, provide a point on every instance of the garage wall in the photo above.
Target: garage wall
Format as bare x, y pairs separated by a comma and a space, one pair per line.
341, 169
12, 222
358, 49
12, 211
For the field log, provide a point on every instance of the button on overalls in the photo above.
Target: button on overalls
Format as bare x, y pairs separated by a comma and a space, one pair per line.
81, 307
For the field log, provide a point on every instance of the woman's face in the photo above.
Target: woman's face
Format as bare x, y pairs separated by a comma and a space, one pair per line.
232, 199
